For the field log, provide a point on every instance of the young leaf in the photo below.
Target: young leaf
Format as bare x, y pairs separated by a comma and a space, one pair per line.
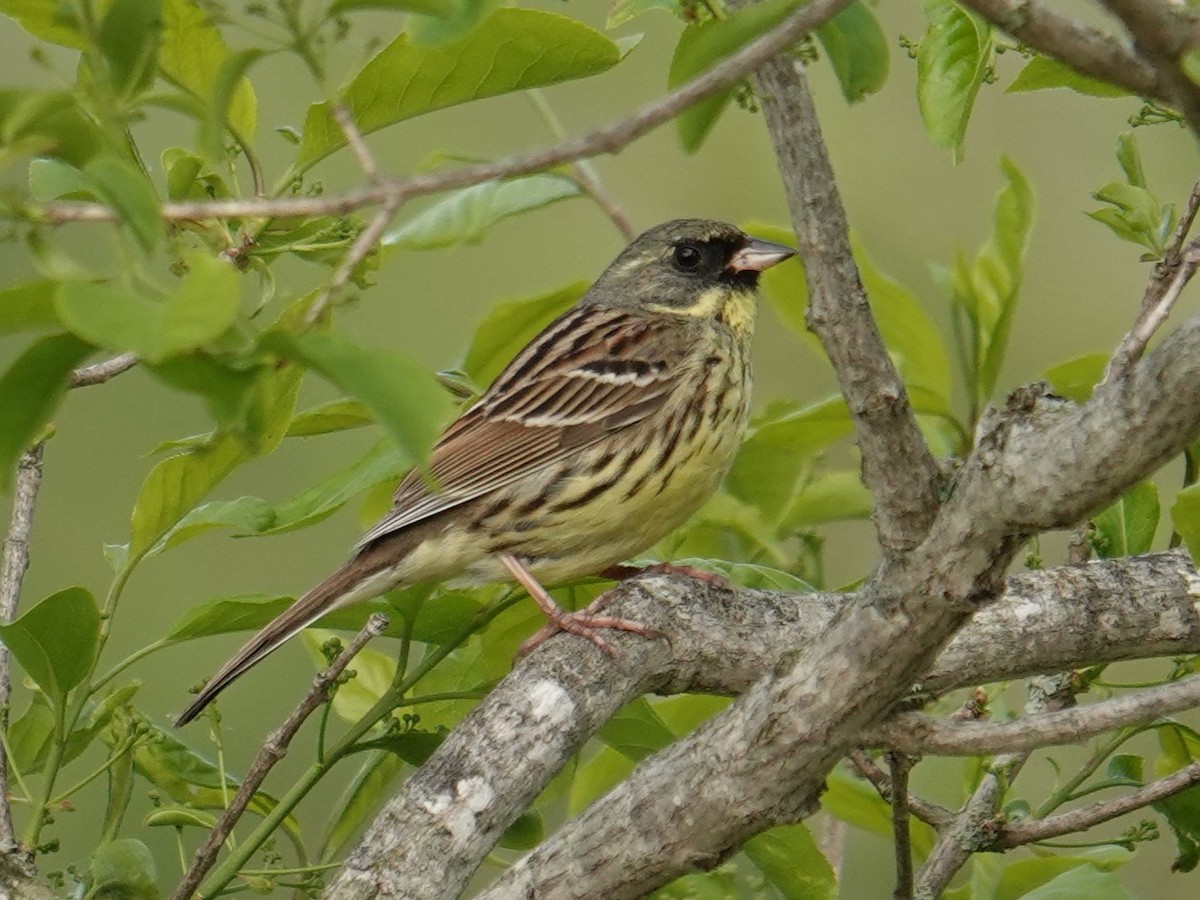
128, 39
130, 193
247, 515
793, 863
858, 50
336, 415
952, 61
361, 799
509, 325
177, 484
31, 390
512, 50
402, 395
1076, 378
203, 306
1042, 72
702, 46
636, 731
123, 868
228, 88
465, 216
1127, 527
1185, 517
191, 55
56, 641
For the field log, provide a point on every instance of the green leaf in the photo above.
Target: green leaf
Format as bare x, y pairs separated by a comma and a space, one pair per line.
123, 870
702, 46
793, 863
174, 816
373, 675
30, 392
28, 307
228, 90
525, 833
1180, 747
1076, 378
464, 17
176, 485
597, 777
1021, 876
336, 415
51, 179
1185, 517
402, 396
772, 458
48, 20
365, 795
952, 61
512, 50
1127, 527
438, 8
56, 641
622, 11
1042, 73
129, 35
1081, 881
511, 324
191, 55
785, 287
463, 217
381, 463
853, 800
246, 515
636, 731
831, 497
46, 123
29, 737
911, 336
183, 168
129, 192
202, 308
858, 50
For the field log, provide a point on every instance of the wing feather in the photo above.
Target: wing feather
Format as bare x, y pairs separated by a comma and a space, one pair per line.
593, 371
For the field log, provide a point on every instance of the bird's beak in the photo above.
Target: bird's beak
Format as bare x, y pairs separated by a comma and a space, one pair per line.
756, 255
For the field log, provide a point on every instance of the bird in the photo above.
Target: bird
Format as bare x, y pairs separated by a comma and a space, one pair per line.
602, 435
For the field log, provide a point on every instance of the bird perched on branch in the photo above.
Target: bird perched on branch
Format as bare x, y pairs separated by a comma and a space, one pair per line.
608, 430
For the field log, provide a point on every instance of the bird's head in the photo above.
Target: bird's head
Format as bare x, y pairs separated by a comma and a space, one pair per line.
691, 267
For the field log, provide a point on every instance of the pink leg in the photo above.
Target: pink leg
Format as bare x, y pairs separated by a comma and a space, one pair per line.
584, 623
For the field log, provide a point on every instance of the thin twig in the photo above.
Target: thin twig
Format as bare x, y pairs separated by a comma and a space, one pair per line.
1089, 816
12, 574
345, 121
978, 821
273, 750
927, 812
103, 371
1167, 280
362, 246
900, 764
604, 140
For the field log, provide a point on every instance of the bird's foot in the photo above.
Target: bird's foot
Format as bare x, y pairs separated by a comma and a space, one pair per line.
622, 572
585, 622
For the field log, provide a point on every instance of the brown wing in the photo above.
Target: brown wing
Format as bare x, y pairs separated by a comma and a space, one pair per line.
593, 371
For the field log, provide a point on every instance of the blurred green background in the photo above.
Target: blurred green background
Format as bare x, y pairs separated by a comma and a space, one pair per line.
907, 201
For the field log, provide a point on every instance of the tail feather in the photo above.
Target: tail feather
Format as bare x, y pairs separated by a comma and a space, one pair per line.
350, 583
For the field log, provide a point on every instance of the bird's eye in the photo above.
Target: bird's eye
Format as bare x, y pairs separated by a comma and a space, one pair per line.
688, 257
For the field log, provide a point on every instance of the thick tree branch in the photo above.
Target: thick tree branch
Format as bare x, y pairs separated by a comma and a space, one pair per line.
1040, 463
430, 838
1089, 51
609, 139
897, 465
1163, 33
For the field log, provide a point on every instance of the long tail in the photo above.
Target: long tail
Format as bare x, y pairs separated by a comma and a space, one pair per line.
359, 579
